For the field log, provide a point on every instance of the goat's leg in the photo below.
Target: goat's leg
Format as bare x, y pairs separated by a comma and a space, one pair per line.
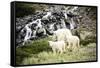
69, 45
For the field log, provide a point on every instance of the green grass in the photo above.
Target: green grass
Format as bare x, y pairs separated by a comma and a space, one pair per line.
38, 52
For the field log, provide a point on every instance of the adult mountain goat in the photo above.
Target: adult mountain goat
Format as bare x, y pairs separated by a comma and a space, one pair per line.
73, 42
61, 34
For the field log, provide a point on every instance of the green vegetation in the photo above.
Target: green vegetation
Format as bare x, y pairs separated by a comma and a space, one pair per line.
23, 9
39, 52
35, 47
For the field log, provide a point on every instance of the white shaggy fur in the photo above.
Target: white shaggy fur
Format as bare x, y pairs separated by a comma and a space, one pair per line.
66, 35
61, 34
73, 42
57, 46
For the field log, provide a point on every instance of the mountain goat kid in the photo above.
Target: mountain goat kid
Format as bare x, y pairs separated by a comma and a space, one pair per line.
58, 46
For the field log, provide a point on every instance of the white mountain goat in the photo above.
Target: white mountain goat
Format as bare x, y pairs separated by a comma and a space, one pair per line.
73, 42
66, 35
58, 46
61, 34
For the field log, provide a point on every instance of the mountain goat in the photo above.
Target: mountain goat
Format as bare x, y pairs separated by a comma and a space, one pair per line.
60, 34
58, 46
73, 42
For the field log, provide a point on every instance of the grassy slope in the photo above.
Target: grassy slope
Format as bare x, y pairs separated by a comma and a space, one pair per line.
39, 52
84, 54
